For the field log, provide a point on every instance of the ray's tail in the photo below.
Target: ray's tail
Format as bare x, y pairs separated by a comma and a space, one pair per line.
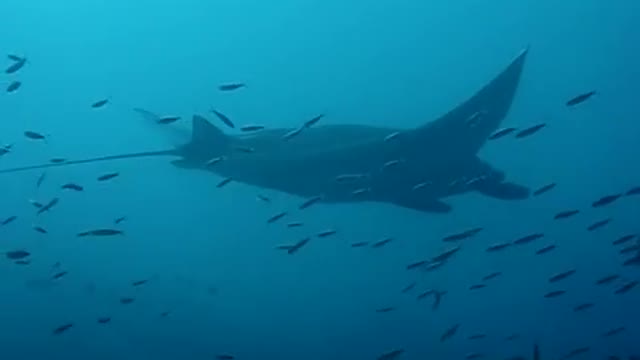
91, 160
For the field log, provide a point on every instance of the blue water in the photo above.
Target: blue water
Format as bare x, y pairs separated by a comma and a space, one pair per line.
208, 252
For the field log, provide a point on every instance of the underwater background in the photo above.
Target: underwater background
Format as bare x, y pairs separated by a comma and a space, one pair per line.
216, 287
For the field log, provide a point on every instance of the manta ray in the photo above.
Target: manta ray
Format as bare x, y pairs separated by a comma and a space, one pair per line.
344, 163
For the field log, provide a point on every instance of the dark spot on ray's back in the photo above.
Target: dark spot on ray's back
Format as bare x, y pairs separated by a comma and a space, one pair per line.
579, 99
606, 200
544, 189
529, 131
100, 103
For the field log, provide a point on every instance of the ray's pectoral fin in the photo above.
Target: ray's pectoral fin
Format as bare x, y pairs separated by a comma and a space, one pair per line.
424, 204
502, 190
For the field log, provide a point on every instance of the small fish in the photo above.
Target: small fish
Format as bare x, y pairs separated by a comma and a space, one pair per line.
72, 186
48, 206
477, 286
108, 176
554, 294
41, 179
360, 244
17, 254
385, 309
575, 352
614, 331
349, 177
294, 224
409, 287
449, 333
561, 276
40, 229
34, 135
473, 355
22, 262
580, 98
502, 133
583, 307
119, 220
391, 355
475, 118
57, 160
16, 66
497, 247
633, 191
263, 198
391, 136
417, 264
62, 328
101, 232
251, 128
139, 282
59, 275
14, 57
598, 224
100, 103
421, 185
292, 133
309, 123
276, 217
462, 235
245, 149
477, 337
629, 249
544, 189
326, 233
566, 214
104, 320
126, 300
632, 261
445, 255
624, 239
381, 243
607, 279
626, 287
14, 86
297, 246
425, 294
390, 164
512, 337
215, 160
437, 299
529, 131
492, 275
606, 200
168, 120
231, 86
223, 118
528, 238
310, 202
224, 182
545, 249
362, 191
8, 220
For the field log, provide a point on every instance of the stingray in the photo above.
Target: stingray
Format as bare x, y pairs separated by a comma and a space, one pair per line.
345, 163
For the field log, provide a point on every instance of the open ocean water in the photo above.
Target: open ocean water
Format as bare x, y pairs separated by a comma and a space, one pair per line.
143, 258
